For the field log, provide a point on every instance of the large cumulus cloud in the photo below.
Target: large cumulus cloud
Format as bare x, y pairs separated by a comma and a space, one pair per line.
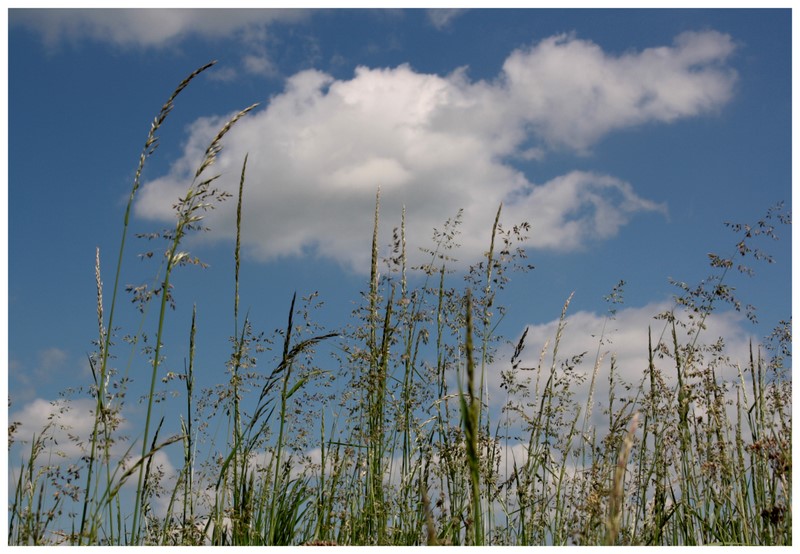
437, 143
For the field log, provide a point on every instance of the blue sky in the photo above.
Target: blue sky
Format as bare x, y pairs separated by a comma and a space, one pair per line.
625, 138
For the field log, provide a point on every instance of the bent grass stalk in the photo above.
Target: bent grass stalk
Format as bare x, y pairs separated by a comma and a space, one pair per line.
150, 145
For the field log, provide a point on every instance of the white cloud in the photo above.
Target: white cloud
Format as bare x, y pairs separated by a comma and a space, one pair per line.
145, 27
319, 150
63, 420
65, 429
625, 338
574, 93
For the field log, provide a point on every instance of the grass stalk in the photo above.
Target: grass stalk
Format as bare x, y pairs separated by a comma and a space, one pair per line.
189, 207
470, 417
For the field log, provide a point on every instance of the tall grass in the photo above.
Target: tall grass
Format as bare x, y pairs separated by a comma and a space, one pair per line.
411, 448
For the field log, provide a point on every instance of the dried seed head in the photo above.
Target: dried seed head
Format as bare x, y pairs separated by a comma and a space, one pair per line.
99, 284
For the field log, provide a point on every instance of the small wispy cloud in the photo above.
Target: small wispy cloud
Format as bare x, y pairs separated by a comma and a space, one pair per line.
154, 28
51, 358
223, 74
436, 144
46, 366
259, 65
441, 18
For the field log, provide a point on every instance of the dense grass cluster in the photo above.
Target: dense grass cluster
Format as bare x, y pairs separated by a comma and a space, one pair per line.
392, 438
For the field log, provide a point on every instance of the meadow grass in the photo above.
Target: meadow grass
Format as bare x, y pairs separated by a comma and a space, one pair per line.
411, 448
